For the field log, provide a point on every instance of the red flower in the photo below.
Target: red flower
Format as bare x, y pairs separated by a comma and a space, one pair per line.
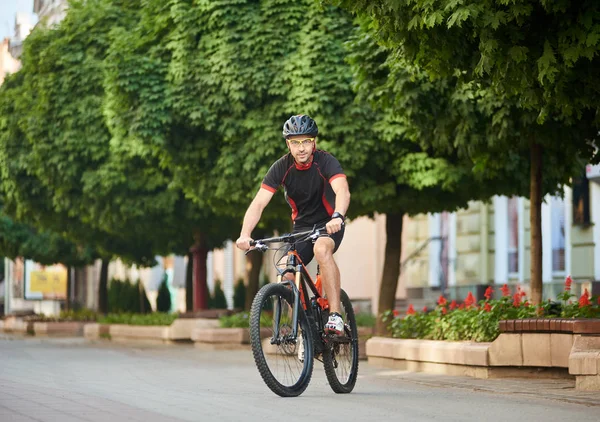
517, 300
470, 300
568, 282
526, 303
424, 308
584, 300
410, 310
488, 293
444, 311
505, 290
395, 312
598, 300
453, 305
487, 307
461, 306
442, 301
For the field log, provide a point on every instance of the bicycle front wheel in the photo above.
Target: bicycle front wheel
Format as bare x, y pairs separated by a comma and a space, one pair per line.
285, 363
340, 358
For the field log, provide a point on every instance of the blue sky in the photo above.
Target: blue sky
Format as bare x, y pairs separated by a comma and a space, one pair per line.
8, 10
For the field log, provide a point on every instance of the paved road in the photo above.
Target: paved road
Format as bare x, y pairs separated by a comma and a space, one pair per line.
75, 380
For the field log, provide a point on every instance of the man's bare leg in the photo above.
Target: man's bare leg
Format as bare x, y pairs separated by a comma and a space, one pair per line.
330, 273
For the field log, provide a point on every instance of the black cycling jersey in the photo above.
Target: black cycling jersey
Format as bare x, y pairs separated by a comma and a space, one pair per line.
307, 190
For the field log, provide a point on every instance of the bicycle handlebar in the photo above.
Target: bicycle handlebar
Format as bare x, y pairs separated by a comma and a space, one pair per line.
261, 244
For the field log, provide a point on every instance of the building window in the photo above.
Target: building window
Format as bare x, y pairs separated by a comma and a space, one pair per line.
513, 237
557, 221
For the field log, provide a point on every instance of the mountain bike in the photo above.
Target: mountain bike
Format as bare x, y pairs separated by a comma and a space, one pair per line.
287, 323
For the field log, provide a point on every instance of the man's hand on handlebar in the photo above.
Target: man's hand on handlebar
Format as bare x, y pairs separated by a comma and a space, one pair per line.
334, 225
243, 242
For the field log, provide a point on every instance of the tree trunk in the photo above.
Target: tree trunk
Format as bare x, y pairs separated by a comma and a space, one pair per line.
189, 284
103, 287
391, 268
254, 263
535, 191
69, 290
200, 252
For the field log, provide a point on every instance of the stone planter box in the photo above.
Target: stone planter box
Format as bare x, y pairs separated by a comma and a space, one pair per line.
532, 348
182, 328
148, 333
17, 325
364, 333
223, 338
59, 329
94, 331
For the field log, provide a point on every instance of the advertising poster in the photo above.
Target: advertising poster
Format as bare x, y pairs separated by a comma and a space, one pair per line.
45, 282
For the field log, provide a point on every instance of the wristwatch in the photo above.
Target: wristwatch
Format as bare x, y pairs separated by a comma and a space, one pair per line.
338, 215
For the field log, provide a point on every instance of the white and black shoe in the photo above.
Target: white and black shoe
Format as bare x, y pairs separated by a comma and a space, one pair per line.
335, 324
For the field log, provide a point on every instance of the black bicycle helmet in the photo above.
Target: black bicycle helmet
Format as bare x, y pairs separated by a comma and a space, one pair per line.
300, 125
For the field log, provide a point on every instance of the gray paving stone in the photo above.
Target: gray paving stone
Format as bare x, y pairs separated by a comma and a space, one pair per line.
47, 380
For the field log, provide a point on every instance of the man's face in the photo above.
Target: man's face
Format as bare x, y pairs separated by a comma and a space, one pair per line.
301, 147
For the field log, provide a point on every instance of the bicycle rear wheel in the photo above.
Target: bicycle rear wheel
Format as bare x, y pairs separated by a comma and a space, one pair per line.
340, 357
279, 358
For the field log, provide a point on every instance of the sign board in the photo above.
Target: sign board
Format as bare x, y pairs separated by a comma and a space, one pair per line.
592, 172
45, 282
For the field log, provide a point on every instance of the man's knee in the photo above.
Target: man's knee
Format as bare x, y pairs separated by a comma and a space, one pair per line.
324, 249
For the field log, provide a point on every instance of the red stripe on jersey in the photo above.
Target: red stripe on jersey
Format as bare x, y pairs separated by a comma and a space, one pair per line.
294, 208
328, 207
269, 188
336, 176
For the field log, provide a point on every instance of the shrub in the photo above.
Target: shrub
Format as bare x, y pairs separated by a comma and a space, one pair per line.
480, 321
163, 300
242, 320
365, 319
156, 318
79, 315
239, 320
239, 295
124, 296
219, 301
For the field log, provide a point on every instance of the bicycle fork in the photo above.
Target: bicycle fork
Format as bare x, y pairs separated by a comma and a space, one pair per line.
293, 337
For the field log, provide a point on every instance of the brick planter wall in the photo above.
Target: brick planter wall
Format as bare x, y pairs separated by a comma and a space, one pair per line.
529, 347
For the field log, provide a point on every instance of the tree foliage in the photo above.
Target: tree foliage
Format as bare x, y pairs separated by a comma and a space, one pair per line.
525, 67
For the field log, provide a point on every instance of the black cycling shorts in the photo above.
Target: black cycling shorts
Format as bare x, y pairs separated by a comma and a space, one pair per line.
305, 249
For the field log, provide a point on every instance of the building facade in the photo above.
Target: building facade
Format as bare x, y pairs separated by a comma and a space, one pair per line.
8, 64
489, 243
50, 12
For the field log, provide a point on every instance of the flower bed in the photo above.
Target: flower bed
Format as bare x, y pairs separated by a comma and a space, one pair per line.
498, 338
479, 321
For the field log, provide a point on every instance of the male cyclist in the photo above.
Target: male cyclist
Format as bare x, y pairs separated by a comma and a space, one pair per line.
316, 188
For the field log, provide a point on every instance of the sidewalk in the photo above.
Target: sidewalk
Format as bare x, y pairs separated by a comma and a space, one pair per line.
556, 390
549, 389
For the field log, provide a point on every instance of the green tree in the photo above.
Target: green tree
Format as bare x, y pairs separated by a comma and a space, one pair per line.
527, 65
69, 154
239, 295
219, 301
170, 97
163, 300
181, 77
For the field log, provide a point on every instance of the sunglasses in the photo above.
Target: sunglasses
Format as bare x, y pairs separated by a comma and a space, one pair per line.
298, 142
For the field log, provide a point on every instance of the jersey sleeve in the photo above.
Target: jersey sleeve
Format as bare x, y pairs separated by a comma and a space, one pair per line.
274, 176
332, 168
